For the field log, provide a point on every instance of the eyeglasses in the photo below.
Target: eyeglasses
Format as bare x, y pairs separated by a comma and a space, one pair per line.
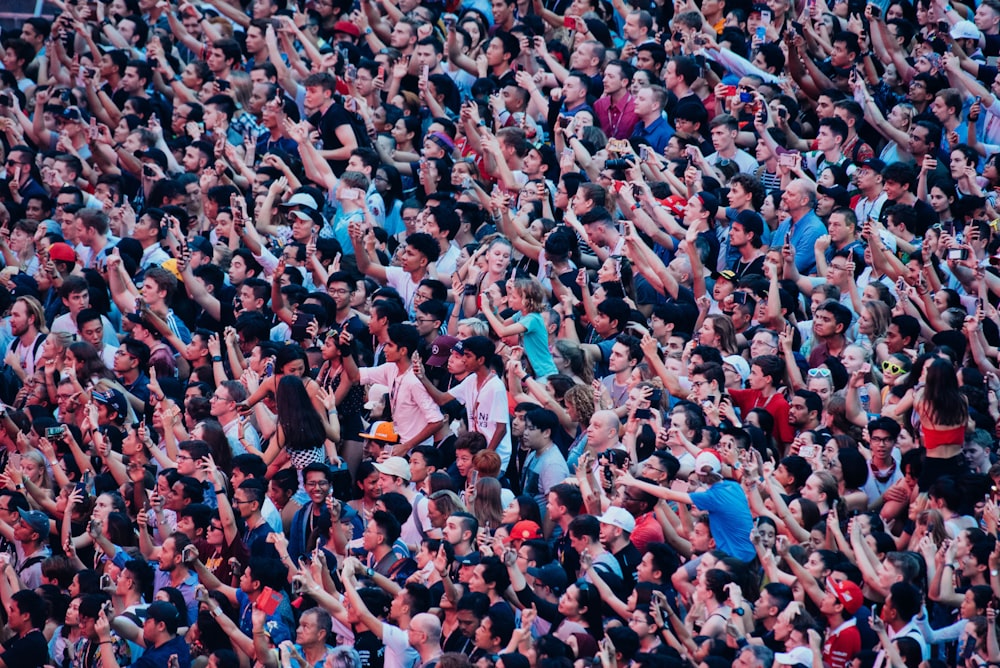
214, 527
219, 397
340, 292
240, 502
698, 383
819, 373
317, 483
877, 439
892, 367
181, 456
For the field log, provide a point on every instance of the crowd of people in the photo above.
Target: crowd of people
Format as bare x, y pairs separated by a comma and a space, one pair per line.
522, 333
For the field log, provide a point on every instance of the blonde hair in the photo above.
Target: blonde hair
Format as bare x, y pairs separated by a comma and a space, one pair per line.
34, 308
532, 294
46, 481
723, 327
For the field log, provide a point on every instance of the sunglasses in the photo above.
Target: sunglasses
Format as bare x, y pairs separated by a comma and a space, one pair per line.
819, 373
892, 367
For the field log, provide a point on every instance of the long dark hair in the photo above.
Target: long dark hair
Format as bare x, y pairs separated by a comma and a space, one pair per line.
91, 360
213, 434
945, 405
395, 182
527, 507
300, 424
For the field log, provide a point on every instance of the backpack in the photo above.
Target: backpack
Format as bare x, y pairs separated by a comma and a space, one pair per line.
10, 384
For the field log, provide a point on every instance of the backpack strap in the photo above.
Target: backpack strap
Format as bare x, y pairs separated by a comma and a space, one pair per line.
28, 563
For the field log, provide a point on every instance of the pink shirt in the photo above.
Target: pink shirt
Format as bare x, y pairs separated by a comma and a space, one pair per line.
617, 120
412, 407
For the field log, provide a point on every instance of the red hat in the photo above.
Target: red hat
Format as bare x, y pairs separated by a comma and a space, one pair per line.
62, 252
524, 530
848, 593
347, 28
675, 204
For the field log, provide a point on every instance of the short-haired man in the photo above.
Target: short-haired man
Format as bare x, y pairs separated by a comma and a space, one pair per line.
89, 612
416, 415
723, 500
724, 129
652, 128
830, 324
481, 392
838, 607
884, 469
223, 404
159, 634
394, 634
545, 465
420, 251
26, 614
617, 525
615, 109
803, 227
91, 326
805, 410
31, 533
335, 125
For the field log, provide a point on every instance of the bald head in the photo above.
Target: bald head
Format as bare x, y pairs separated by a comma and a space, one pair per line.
603, 431
428, 625
802, 195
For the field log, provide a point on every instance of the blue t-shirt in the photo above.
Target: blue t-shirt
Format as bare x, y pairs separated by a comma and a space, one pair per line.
536, 344
728, 517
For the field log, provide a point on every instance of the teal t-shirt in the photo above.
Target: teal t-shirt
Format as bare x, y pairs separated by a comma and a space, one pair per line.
536, 344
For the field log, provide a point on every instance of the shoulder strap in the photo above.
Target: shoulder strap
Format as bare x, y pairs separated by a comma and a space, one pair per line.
38, 343
28, 563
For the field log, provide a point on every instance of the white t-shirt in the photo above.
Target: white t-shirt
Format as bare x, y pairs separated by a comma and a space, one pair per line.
404, 284
397, 647
487, 407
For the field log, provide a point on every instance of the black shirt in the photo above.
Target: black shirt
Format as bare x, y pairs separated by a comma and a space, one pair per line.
30, 651
336, 116
628, 558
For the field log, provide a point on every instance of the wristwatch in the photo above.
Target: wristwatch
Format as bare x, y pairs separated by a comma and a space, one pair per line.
370, 572
739, 612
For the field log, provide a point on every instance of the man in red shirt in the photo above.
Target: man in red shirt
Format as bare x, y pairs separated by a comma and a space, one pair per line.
766, 374
843, 640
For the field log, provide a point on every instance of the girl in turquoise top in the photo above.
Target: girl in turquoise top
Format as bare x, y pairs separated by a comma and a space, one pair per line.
527, 297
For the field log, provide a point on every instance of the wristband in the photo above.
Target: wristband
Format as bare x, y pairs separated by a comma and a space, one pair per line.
216, 358
220, 491
470, 289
